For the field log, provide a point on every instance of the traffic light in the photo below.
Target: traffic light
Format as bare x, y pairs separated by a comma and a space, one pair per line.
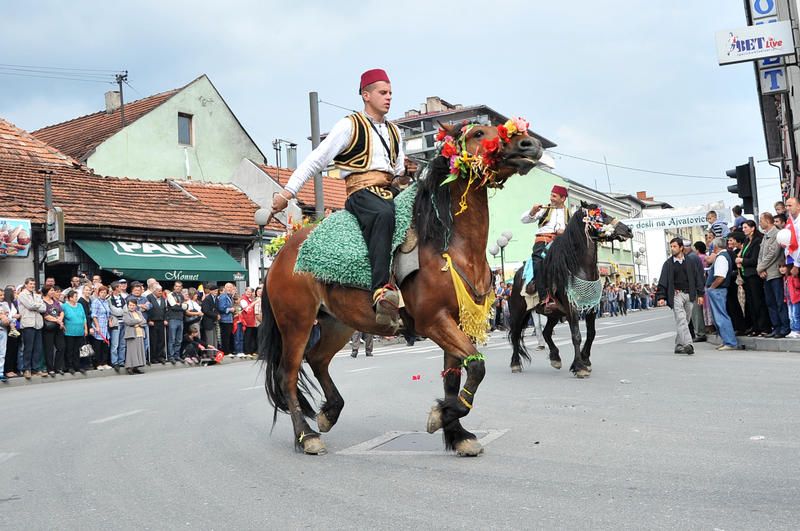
745, 186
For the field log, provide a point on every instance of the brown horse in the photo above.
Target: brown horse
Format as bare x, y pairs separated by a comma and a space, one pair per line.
292, 301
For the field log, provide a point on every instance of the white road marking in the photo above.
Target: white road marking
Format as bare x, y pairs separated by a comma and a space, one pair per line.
440, 356
364, 369
657, 337
251, 388
370, 447
115, 417
5, 456
614, 339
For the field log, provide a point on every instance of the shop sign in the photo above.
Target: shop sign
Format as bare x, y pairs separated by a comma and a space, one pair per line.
155, 250
752, 43
15, 238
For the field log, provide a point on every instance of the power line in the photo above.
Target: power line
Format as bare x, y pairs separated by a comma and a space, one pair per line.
630, 168
54, 77
61, 68
55, 72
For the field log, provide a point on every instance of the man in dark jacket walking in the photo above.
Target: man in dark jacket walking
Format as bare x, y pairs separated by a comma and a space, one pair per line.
681, 285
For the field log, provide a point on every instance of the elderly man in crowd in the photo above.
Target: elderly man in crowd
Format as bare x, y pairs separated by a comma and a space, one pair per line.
717, 284
770, 258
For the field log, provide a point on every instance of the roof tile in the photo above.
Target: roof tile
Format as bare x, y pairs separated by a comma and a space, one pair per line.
334, 190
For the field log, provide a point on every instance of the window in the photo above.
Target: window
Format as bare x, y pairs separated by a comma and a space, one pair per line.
185, 129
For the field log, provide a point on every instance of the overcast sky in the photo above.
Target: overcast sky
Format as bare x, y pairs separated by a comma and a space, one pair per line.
634, 82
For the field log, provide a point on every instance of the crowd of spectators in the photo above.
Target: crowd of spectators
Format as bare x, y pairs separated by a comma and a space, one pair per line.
48, 332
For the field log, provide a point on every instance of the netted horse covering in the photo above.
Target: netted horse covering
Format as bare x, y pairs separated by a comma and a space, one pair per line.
584, 294
335, 251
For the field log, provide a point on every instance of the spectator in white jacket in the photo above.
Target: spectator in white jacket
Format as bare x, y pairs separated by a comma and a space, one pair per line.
31, 308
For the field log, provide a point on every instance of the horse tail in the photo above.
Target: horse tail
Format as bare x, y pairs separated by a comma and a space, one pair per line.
270, 353
519, 314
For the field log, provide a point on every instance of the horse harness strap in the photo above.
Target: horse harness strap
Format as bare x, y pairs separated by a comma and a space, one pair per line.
478, 297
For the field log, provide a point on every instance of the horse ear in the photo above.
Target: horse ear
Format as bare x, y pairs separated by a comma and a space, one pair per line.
451, 130
584, 204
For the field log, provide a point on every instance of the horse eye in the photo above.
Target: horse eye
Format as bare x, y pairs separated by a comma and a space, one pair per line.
478, 134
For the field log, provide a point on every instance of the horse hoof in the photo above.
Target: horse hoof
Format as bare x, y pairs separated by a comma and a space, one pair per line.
434, 419
582, 373
468, 448
589, 368
516, 368
314, 446
555, 364
323, 423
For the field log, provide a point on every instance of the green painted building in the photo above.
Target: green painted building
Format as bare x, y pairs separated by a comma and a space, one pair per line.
189, 132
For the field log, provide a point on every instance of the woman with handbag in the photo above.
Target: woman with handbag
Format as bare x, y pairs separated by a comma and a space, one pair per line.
53, 331
101, 313
75, 331
11, 367
134, 336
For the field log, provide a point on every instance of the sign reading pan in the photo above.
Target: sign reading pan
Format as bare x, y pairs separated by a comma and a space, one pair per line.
755, 42
163, 261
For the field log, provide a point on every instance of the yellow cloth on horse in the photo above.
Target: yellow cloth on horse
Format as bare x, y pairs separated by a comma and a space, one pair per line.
473, 318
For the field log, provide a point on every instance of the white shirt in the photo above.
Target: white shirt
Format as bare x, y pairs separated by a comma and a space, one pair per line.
556, 224
720, 266
337, 141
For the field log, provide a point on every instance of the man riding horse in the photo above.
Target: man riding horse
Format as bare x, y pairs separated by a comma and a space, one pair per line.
368, 150
552, 220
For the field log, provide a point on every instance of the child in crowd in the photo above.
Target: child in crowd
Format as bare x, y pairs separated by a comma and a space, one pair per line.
791, 292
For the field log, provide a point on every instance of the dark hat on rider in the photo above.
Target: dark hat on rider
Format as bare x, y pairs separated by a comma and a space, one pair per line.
372, 76
560, 190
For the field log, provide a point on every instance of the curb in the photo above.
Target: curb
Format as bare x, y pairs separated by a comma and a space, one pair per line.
36, 380
761, 343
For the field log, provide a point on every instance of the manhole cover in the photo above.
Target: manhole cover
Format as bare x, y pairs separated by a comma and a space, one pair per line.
413, 443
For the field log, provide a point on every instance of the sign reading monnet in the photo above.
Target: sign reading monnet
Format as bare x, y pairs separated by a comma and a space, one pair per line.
163, 261
671, 222
755, 42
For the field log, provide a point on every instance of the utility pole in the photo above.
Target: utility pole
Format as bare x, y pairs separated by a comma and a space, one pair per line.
122, 77
319, 196
608, 177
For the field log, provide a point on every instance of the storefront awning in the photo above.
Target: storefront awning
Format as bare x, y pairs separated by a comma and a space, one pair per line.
163, 261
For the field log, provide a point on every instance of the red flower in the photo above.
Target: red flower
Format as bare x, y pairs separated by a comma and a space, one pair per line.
490, 146
441, 134
448, 150
503, 132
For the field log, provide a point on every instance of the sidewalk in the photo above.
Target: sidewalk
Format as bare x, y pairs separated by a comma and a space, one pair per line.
761, 343
20, 381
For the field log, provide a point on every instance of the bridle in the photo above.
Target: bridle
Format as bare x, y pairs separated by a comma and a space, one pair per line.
595, 221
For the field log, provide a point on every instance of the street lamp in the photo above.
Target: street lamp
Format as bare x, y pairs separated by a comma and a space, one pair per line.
261, 217
502, 242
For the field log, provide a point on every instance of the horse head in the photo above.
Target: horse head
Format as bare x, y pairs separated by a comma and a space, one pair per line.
490, 154
601, 226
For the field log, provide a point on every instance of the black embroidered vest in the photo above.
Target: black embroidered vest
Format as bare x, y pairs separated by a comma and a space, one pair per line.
357, 156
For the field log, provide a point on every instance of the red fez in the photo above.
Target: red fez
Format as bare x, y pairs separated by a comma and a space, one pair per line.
371, 76
560, 190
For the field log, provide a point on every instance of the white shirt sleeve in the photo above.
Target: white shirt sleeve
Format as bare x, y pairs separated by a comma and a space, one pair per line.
336, 141
527, 218
720, 266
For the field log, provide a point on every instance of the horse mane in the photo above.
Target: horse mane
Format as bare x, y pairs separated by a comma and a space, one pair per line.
562, 259
433, 215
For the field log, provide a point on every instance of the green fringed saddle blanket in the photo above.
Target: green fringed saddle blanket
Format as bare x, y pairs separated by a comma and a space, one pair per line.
335, 252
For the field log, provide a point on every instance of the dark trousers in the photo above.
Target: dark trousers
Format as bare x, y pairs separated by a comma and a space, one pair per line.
778, 312
72, 345
250, 340
31, 349
734, 309
375, 216
157, 341
102, 352
537, 255
12, 349
53, 341
226, 339
755, 304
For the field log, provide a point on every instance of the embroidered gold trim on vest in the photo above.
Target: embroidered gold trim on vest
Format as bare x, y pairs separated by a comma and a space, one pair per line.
357, 156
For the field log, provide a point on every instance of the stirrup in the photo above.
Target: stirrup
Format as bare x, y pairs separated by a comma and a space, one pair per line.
386, 302
550, 304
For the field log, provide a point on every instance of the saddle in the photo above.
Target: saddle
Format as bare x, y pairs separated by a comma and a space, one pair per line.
335, 251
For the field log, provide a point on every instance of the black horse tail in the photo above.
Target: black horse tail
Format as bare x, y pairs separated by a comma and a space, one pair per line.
519, 315
270, 353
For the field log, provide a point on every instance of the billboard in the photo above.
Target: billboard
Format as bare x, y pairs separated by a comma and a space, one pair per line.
752, 43
15, 238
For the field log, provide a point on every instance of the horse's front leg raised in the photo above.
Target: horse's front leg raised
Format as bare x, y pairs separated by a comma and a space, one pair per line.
577, 362
460, 353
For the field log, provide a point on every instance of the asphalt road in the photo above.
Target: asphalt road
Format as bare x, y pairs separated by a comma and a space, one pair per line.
652, 440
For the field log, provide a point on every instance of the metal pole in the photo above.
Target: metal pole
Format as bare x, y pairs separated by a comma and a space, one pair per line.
502, 266
261, 254
120, 78
319, 196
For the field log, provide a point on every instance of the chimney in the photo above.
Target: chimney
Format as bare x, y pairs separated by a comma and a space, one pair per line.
641, 196
112, 101
291, 156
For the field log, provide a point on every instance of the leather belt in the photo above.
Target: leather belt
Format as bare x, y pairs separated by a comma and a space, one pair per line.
546, 237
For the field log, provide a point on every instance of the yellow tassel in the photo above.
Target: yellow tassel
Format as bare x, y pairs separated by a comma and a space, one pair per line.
473, 318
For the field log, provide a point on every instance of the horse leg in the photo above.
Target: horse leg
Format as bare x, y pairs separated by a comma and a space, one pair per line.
333, 336
456, 404
519, 316
555, 359
577, 366
586, 351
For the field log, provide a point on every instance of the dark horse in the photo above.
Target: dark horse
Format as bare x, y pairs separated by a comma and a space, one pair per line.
571, 256
292, 301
